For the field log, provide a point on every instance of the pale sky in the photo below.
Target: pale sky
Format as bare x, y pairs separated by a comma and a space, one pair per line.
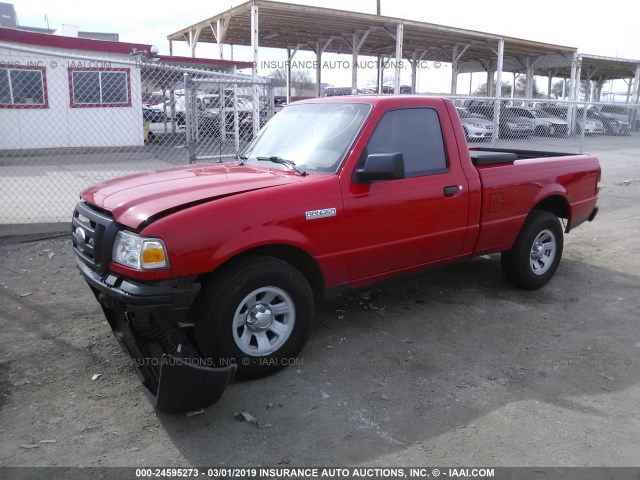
600, 28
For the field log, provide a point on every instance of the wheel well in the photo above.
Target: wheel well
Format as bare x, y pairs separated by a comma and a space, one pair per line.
555, 204
297, 257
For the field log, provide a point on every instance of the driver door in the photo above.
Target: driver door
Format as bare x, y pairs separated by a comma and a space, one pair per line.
394, 225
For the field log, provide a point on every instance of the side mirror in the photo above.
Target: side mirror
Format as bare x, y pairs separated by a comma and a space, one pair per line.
381, 166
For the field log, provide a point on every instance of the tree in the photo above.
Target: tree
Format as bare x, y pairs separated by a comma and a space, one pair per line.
521, 87
301, 80
556, 89
582, 90
386, 78
481, 91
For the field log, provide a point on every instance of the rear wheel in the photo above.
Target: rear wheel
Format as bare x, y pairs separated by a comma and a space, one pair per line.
255, 314
535, 255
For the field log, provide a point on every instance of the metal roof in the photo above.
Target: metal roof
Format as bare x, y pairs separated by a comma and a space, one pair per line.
286, 25
606, 68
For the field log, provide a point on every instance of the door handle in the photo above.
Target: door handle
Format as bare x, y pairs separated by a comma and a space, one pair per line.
451, 190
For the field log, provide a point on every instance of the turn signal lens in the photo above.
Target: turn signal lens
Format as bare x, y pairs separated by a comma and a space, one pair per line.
153, 255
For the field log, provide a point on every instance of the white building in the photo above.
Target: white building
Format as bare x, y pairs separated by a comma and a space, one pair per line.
61, 100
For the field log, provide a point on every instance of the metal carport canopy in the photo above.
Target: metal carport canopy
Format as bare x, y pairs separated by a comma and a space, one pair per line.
592, 68
595, 67
297, 27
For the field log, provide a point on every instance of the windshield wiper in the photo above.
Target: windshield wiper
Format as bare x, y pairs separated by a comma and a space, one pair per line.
241, 158
282, 161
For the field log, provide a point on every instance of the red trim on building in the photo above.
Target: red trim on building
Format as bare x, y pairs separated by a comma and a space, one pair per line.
69, 43
104, 46
45, 93
72, 104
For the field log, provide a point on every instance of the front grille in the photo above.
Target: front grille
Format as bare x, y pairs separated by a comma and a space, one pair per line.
93, 233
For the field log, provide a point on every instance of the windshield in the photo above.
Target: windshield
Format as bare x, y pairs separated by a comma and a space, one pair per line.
473, 116
316, 136
520, 112
243, 104
540, 114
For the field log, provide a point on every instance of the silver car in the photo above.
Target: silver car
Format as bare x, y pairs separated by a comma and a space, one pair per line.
548, 125
515, 122
590, 127
475, 126
622, 113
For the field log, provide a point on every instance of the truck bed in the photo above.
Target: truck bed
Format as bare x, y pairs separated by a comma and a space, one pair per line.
493, 156
515, 180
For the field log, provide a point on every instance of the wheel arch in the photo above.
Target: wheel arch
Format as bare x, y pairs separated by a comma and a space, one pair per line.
556, 204
295, 256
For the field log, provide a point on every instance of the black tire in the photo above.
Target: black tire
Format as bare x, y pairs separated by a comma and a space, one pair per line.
519, 265
223, 296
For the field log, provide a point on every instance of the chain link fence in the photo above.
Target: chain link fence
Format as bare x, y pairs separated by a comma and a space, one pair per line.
547, 125
70, 122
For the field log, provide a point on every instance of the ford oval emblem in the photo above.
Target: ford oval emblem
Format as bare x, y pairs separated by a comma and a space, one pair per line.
80, 235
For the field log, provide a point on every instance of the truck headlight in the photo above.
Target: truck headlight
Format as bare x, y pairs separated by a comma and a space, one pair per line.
133, 251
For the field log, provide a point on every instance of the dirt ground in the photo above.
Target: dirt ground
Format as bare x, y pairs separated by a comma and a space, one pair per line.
451, 366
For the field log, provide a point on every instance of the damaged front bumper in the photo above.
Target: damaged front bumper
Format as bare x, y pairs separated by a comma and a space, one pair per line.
146, 318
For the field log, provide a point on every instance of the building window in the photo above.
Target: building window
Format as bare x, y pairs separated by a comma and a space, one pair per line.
23, 87
100, 88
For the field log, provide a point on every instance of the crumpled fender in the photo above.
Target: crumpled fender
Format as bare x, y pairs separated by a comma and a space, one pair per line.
172, 383
184, 387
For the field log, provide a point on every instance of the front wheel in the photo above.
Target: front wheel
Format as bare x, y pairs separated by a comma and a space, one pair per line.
535, 255
256, 314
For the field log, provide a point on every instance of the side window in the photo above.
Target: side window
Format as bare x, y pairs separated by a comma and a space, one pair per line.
22, 87
100, 87
416, 133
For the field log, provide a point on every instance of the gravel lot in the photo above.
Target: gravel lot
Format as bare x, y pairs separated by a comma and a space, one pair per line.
451, 366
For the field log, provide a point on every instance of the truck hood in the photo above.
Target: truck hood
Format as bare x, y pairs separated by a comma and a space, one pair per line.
134, 199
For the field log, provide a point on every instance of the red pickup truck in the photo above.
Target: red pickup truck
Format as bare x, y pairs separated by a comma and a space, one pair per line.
205, 271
